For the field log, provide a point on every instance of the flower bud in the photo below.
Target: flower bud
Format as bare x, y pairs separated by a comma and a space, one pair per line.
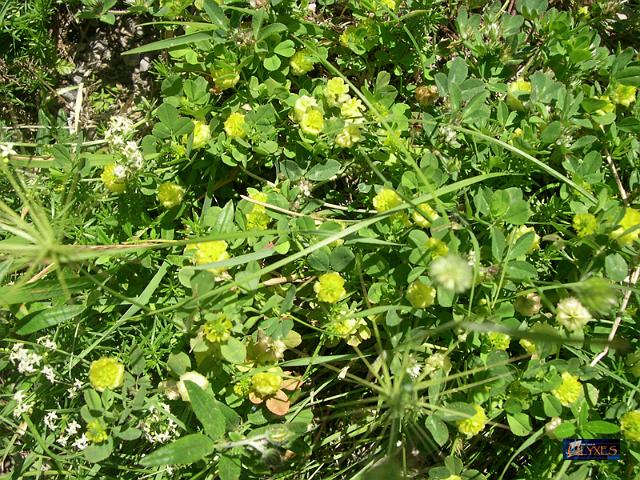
528, 305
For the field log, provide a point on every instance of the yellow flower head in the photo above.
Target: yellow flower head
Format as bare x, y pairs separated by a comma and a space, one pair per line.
312, 122
218, 329
609, 106
386, 199
114, 178
437, 247
265, 384
624, 95
420, 295
235, 125
528, 346
569, 390
330, 287
170, 195
498, 340
210, 252
424, 215
349, 136
585, 224
106, 372
571, 314
257, 218
631, 220
303, 103
630, 425
351, 110
336, 92
201, 134
225, 77
515, 90
301, 62
523, 230
473, 425
96, 431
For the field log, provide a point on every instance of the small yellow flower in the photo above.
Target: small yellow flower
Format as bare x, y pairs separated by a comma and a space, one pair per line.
631, 220
630, 425
225, 77
624, 95
498, 340
217, 329
194, 377
242, 387
170, 195
301, 62
265, 384
336, 92
473, 425
113, 179
210, 252
303, 103
330, 287
386, 199
106, 372
609, 107
571, 314
351, 110
424, 215
201, 134
420, 295
523, 230
257, 218
96, 431
349, 136
528, 346
312, 122
515, 90
569, 390
235, 125
437, 247
585, 224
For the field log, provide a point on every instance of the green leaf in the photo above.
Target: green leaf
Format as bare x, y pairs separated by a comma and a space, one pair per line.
437, 428
600, 426
616, 267
457, 71
48, 318
551, 132
179, 363
285, 49
170, 42
184, 451
206, 410
458, 411
216, 15
341, 258
564, 430
229, 468
519, 423
272, 63
234, 351
324, 171
320, 260
97, 453
551, 405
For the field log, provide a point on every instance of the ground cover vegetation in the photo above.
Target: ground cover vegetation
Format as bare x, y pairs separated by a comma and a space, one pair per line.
319, 239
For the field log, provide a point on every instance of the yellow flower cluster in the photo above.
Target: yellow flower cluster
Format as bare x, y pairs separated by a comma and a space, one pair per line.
301, 62
265, 384
631, 223
257, 218
96, 431
437, 247
523, 230
308, 116
624, 95
630, 425
225, 77
473, 425
234, 126
420, 295
424, 215
386, 199
217, 329
114, 182
584, 224
349, 136
210, 252
330, 287
569, 390
201, 134
170, 195
336, 91
351, 110
498, 340
106, 372
515, 90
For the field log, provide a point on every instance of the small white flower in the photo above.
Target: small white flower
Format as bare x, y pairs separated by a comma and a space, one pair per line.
50, 420
62, 440
48, 372
47, 343
120, 172
73, 427
571, 314
81, 442
6, 149
25, 360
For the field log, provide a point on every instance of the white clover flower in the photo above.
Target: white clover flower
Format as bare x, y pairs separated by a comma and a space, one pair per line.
571, 314
133, 156
81, 442
120, 128
47, 343
49, 374
50, 420
452, 273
